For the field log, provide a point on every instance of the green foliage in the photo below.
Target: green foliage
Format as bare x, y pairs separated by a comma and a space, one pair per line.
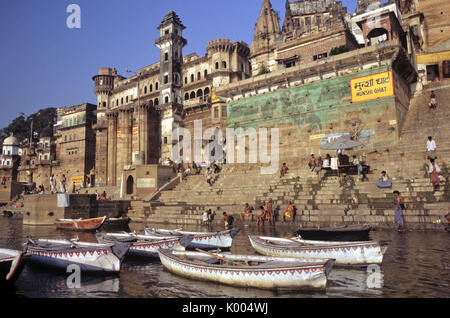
339, 50
264, 70
21, 127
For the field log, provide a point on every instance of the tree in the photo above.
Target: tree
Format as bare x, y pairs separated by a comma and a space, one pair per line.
339, 50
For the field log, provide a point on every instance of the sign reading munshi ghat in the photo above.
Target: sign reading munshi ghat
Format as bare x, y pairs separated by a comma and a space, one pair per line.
372, 86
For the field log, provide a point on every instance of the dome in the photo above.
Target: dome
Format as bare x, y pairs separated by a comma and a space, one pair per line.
11, 141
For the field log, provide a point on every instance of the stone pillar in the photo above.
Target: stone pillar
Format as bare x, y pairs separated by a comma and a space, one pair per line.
143, 131
123, 143
112, 149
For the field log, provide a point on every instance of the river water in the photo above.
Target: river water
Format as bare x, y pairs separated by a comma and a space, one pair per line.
416, 264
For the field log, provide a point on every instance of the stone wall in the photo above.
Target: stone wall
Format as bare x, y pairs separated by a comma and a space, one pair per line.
306, 115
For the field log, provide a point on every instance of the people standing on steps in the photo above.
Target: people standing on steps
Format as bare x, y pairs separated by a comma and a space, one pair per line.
270, 213
284, 170
209, 176
433, 102
289, 213
399, 207
434, 172
312, 162
431, 147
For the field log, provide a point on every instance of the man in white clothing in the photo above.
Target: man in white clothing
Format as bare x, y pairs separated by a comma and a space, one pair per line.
431, 144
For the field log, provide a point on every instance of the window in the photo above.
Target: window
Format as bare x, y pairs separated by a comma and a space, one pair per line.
104, 104
70, 137
192, 78
117, 102
192, 95
206, 73
166, 56
199, 93
242, 67
156, 102
166, 79
151, 88
145, 90
156, 86
165, 140
81, 119
224, 64
166, 99
186, 96
166, 32
185, 80
217, 65
70, 122
67, 123
224, 111
127, 99
216, 112
65, 138
121, 101
320, 56
199, 76
74, 137
206, 91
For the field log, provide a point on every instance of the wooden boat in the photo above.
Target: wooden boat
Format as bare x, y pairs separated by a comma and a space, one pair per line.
203, 240
145, 245
248, 270
345, 253
339, 233
90, 257
11, 265
80, 224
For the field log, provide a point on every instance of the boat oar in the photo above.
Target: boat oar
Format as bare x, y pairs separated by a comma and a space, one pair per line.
298, 242
220, 258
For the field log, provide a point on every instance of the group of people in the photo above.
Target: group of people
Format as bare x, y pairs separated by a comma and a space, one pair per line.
267, 213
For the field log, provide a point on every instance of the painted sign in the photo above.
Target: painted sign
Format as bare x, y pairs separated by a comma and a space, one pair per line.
372, 86
78, 180
146, 183
332, 137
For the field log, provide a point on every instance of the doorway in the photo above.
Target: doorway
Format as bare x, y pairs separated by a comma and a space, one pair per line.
130, 185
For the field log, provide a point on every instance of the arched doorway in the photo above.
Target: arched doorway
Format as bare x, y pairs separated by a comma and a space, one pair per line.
130, 185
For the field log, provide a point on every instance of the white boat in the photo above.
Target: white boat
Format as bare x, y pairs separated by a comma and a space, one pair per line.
11, 264
249, 270
145, 245
90, 257
345, 253
203, 240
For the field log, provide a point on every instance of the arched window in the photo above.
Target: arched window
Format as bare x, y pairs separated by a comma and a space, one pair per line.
206, 91
217, 65
206, 73
121, 101
224, 64
186, 96
185, 80
156, 102
70, 122
166, 56
199, 76
151, 103
199, 93
127, 99
192, 95
156, 86
192, 78
151, 87
145, 90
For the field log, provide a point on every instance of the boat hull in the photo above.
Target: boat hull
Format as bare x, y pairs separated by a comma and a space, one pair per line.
80, 225
345, 253
214, 240
288, 277
105, 259
337, 234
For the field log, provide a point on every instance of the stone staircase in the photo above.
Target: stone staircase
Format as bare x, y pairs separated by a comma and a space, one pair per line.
328, 202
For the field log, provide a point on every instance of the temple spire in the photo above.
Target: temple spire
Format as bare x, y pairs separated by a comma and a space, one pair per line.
267, 29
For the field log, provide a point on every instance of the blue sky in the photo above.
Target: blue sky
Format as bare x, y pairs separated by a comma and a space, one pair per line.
45, 64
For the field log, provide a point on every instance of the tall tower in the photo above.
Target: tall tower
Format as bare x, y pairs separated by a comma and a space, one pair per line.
170, 43
104, 85
267, 30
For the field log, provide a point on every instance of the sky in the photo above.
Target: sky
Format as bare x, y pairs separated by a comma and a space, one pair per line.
46, 64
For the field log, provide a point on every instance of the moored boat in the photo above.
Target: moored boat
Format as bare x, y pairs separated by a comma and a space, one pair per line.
11, 265
345, 253
90, 257
145, 245
203, 240
338, 233
116, 222
80, 224
249, 270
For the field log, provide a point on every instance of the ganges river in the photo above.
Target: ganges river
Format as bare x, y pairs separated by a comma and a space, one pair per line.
416, 264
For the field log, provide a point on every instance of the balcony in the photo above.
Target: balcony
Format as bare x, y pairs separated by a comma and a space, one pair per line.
198, 101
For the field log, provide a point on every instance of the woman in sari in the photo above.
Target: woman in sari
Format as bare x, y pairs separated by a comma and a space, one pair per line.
434, 171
